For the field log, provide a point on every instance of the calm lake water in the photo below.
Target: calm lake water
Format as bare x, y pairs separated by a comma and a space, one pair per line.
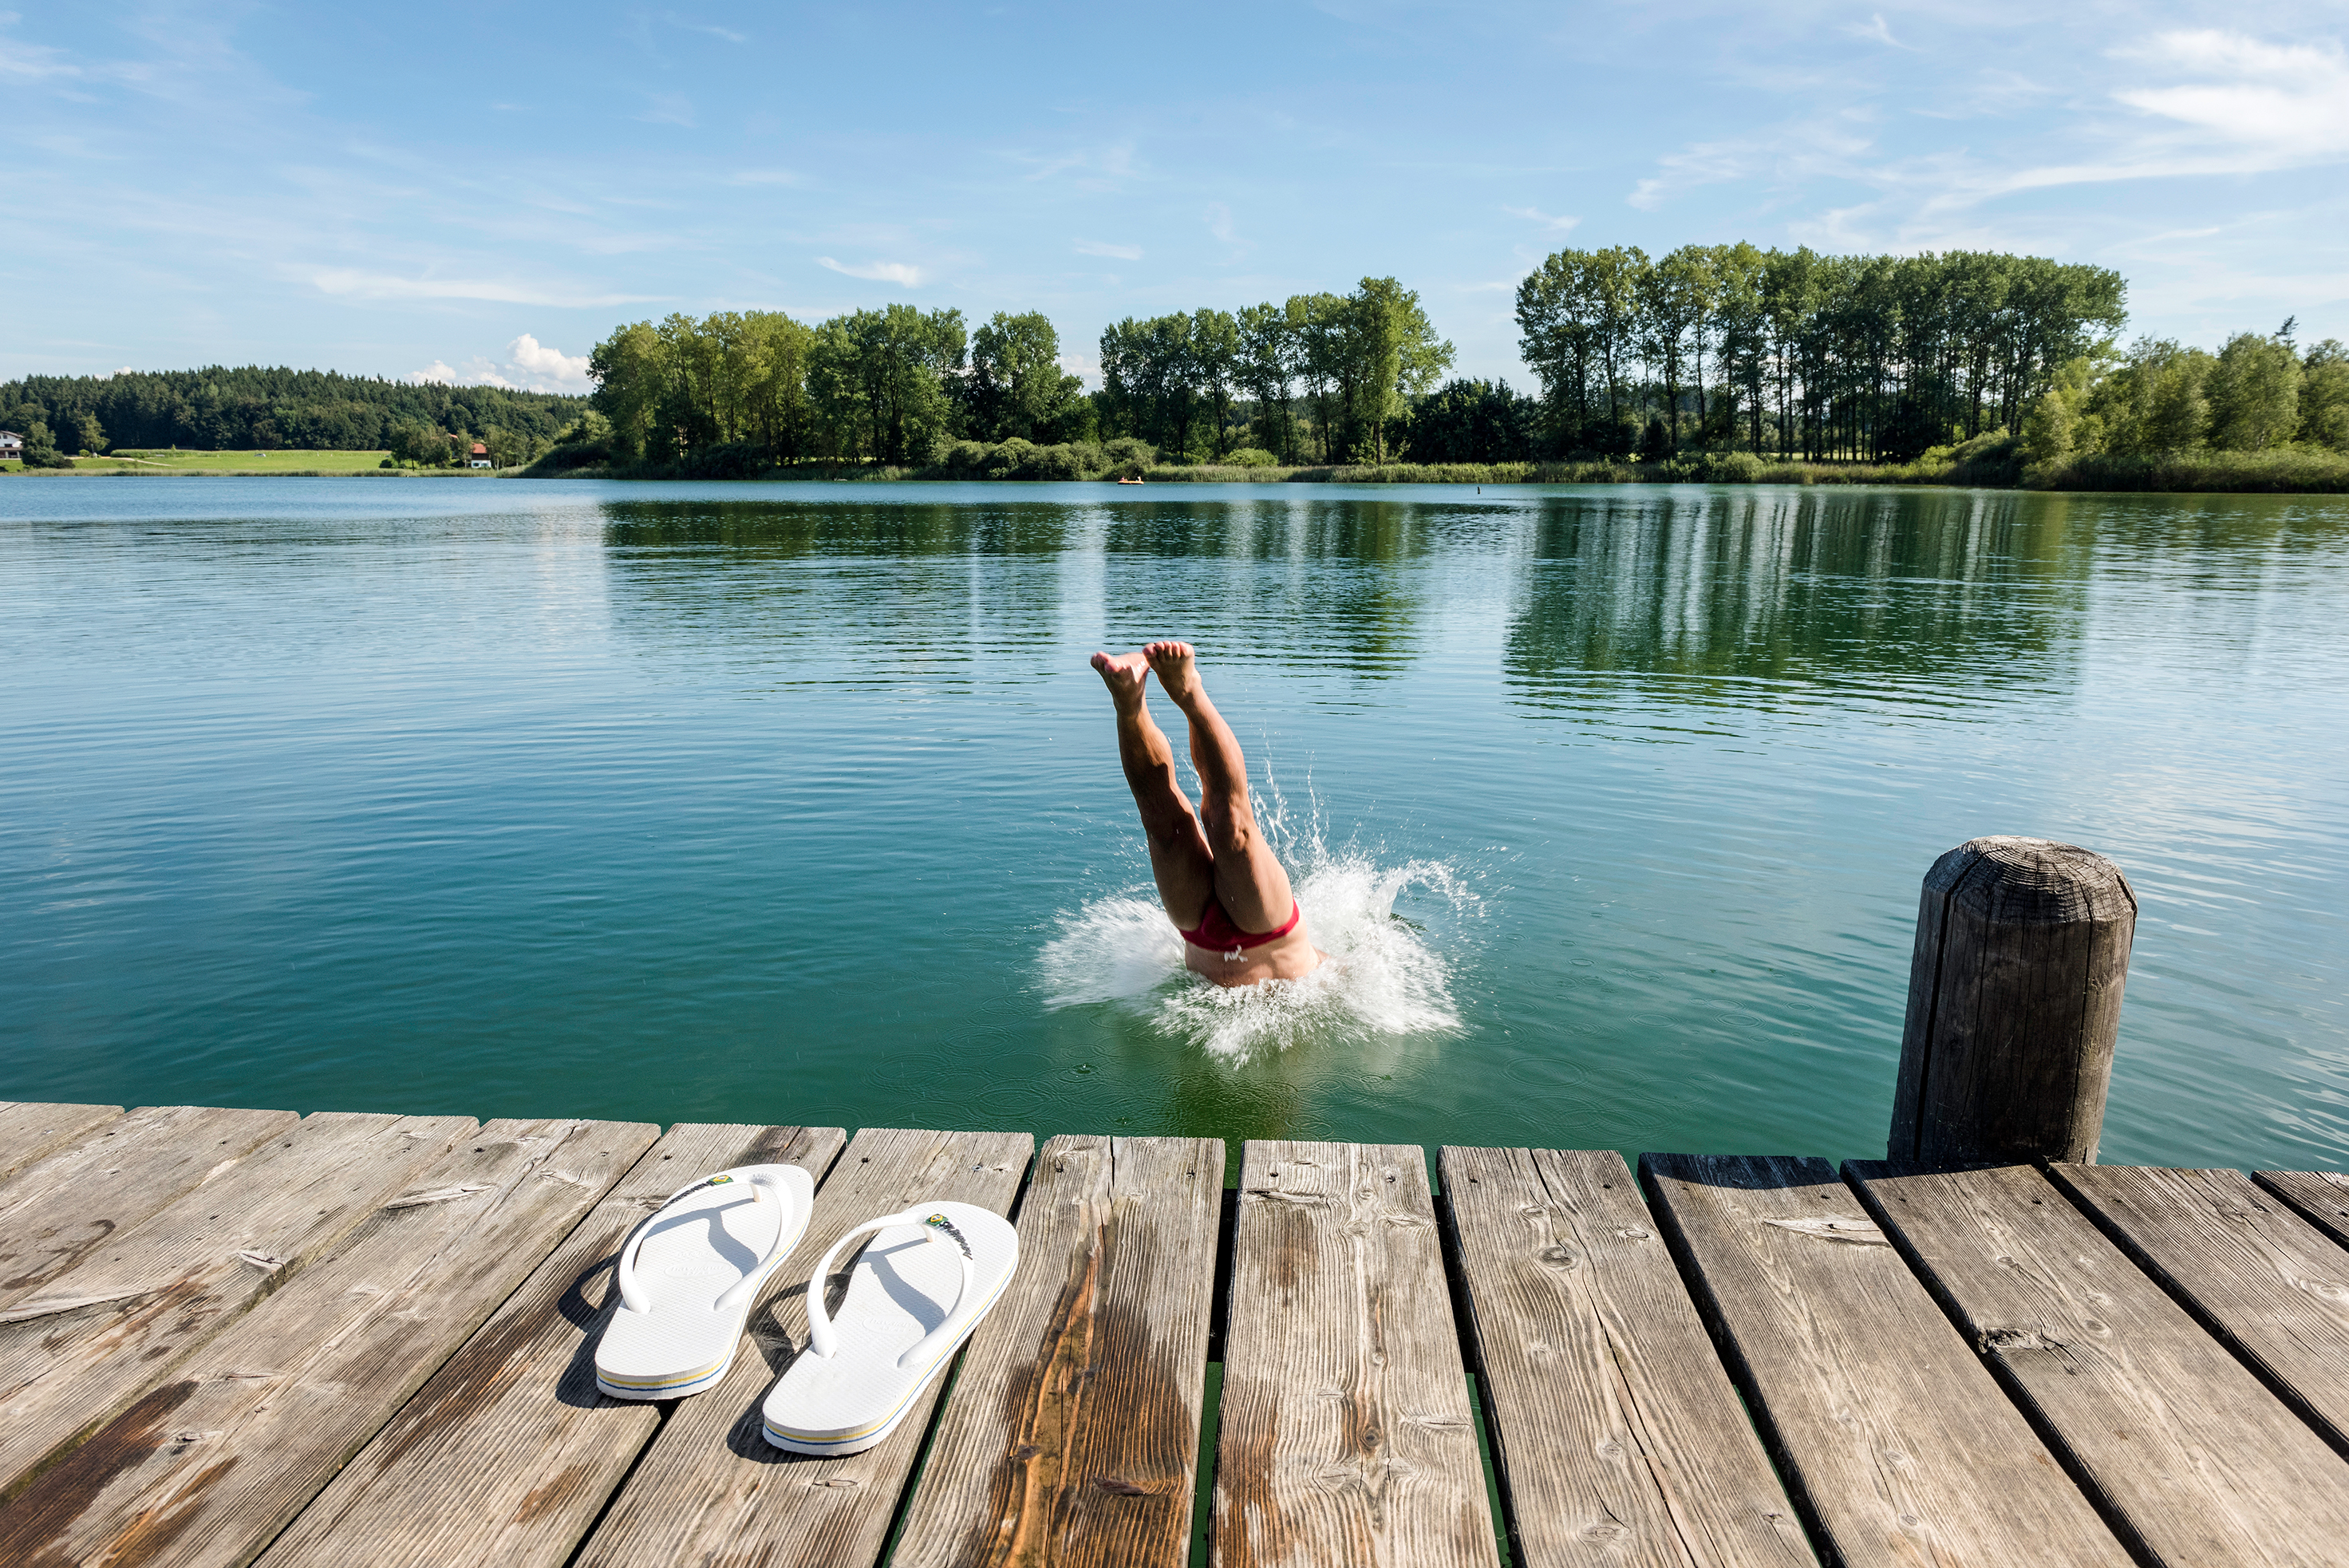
798, 803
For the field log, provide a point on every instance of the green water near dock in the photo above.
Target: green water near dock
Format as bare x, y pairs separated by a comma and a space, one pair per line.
799, 802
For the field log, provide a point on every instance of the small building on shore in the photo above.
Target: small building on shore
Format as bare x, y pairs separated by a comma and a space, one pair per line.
480, 458
11, 447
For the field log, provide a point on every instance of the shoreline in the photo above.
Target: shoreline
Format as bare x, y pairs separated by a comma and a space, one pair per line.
2185, 479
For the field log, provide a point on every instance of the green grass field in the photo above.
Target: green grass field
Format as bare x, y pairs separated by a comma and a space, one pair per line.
140, 461
232, 462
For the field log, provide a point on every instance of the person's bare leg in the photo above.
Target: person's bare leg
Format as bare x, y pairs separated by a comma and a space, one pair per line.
1249, 880
1180, 861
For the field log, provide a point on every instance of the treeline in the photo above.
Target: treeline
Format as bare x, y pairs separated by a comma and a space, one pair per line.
1870, 358
259, 407
2160, 402
743, 391
1336, 372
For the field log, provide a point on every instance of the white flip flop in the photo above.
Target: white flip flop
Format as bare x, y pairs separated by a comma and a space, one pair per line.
689, 1275
914, 1295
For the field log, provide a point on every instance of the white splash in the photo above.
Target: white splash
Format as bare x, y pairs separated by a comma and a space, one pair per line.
1384, 977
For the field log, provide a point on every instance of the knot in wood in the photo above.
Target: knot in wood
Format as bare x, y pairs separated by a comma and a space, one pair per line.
1558, 1257
1118, 1487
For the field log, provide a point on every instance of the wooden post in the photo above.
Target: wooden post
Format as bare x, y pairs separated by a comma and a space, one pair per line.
2015, 1001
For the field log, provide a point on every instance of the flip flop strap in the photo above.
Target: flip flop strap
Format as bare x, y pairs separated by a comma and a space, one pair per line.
633, 1296
935, 1227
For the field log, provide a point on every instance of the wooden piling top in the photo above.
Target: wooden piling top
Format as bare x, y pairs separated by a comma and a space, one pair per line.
240, 1337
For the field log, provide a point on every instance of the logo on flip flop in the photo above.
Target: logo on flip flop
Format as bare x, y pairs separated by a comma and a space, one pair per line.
940, 1222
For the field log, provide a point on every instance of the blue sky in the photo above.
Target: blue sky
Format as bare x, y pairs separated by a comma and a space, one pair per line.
483, 191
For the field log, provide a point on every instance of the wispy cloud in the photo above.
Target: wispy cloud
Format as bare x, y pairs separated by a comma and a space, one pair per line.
351, 284
1536, 215
1788, 153
1092, 168
1103, 248
1875, 30
667, 109
879, 271
766, 177
728, 34
2270, 107
1219, 223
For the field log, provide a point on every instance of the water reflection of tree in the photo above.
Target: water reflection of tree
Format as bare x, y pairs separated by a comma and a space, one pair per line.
768, 529
1302, 583
915, 583
1797, 586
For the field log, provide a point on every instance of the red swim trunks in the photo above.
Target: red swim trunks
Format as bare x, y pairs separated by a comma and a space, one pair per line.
1217, 933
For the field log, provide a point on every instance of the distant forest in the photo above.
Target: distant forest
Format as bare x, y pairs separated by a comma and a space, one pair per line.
262, 409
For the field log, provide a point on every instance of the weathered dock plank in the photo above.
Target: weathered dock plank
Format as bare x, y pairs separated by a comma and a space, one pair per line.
30, 1130
1616, 1434
2196, 1462
508, 1453
2271, 1286
83, 1195
1894, 1437
2319, 1196
130, 1312
710, 1491
1347, 1436
207, 1469
1072, 1437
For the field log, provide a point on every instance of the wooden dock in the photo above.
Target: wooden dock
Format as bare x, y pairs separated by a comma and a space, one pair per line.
232, 1336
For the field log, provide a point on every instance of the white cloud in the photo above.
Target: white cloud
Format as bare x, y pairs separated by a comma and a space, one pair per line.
1536, 215
350, 282
529, 366
879, 271
667, 109
2289, 102
548, 369
766, 177
1219, 221
1103, 248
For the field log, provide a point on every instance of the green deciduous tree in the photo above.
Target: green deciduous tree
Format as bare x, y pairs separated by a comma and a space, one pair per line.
2254, 394
631, 371
1269, 350
1017, 387
1853, 357
2324, 395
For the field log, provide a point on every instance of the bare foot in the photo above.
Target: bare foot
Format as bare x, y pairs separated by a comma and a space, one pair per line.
1123, 674
1177, 671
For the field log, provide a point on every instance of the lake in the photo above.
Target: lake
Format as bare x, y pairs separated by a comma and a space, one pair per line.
799, 804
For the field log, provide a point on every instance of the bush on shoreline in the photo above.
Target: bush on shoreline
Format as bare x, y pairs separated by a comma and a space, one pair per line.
1991, 462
